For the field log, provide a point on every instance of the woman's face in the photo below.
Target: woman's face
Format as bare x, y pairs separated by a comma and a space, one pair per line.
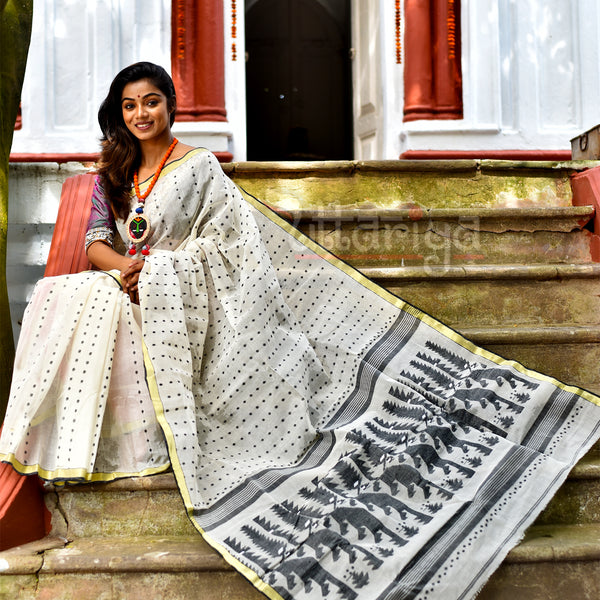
145, 110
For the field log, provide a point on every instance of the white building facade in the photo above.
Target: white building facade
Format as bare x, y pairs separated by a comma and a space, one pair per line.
530, 75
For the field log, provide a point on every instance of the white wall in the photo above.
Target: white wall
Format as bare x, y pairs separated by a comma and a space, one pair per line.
531, 74
368, 29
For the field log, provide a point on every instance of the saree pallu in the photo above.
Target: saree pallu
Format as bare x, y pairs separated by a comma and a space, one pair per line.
328, 439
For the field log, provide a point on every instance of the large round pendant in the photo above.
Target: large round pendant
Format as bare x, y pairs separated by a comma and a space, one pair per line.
138, 227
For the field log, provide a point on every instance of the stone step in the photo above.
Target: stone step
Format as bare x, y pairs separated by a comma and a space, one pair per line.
558, 271
544, 316
496, 295
150, 567
406, 183
551, 335
578, 500
152, 506
133, 506
553, 562
441, 236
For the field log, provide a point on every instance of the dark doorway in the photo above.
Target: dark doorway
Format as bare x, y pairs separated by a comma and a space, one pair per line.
298, 80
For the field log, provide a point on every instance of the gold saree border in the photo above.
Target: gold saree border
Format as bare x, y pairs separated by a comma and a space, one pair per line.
171, 167
409, 308
248, 573
80, 475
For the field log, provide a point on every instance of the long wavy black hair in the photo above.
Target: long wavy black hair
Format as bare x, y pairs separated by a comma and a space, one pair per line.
120, 150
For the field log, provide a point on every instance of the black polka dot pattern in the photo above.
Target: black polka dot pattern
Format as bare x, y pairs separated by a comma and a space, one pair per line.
251, 358
79, 400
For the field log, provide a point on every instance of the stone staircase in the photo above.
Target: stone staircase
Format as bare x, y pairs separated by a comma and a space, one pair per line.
128, 539
495, 250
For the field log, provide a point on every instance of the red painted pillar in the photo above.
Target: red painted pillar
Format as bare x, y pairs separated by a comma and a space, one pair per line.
418, 51
446, 66
585, 186
198, 59
432, 71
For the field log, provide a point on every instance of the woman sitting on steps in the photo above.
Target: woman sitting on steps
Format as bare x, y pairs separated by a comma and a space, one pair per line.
327, 438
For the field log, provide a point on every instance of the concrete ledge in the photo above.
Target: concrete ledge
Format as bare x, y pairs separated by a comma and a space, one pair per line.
563, 334
117, 554
542, 543
135, 567
346, 214
28, 558
588, 467
405, 166
135, 554
386, 275
403, 184
154, 483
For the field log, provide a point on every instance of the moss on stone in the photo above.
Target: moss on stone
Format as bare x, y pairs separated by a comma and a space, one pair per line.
396, 186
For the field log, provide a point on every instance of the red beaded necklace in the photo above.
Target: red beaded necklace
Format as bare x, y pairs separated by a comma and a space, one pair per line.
142, 197
138, 225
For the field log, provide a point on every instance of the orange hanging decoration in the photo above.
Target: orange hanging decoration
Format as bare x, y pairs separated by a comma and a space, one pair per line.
398, 33
233, 29
451, 20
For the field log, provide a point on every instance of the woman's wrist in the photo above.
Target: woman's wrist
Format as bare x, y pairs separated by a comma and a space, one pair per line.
105, 258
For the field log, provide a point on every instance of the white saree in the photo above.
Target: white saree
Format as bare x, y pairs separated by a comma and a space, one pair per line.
327, 438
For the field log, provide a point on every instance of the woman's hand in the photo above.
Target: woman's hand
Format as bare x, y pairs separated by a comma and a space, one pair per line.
129, 279
105, 258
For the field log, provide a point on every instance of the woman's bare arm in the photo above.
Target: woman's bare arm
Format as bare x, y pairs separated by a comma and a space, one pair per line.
101, 255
